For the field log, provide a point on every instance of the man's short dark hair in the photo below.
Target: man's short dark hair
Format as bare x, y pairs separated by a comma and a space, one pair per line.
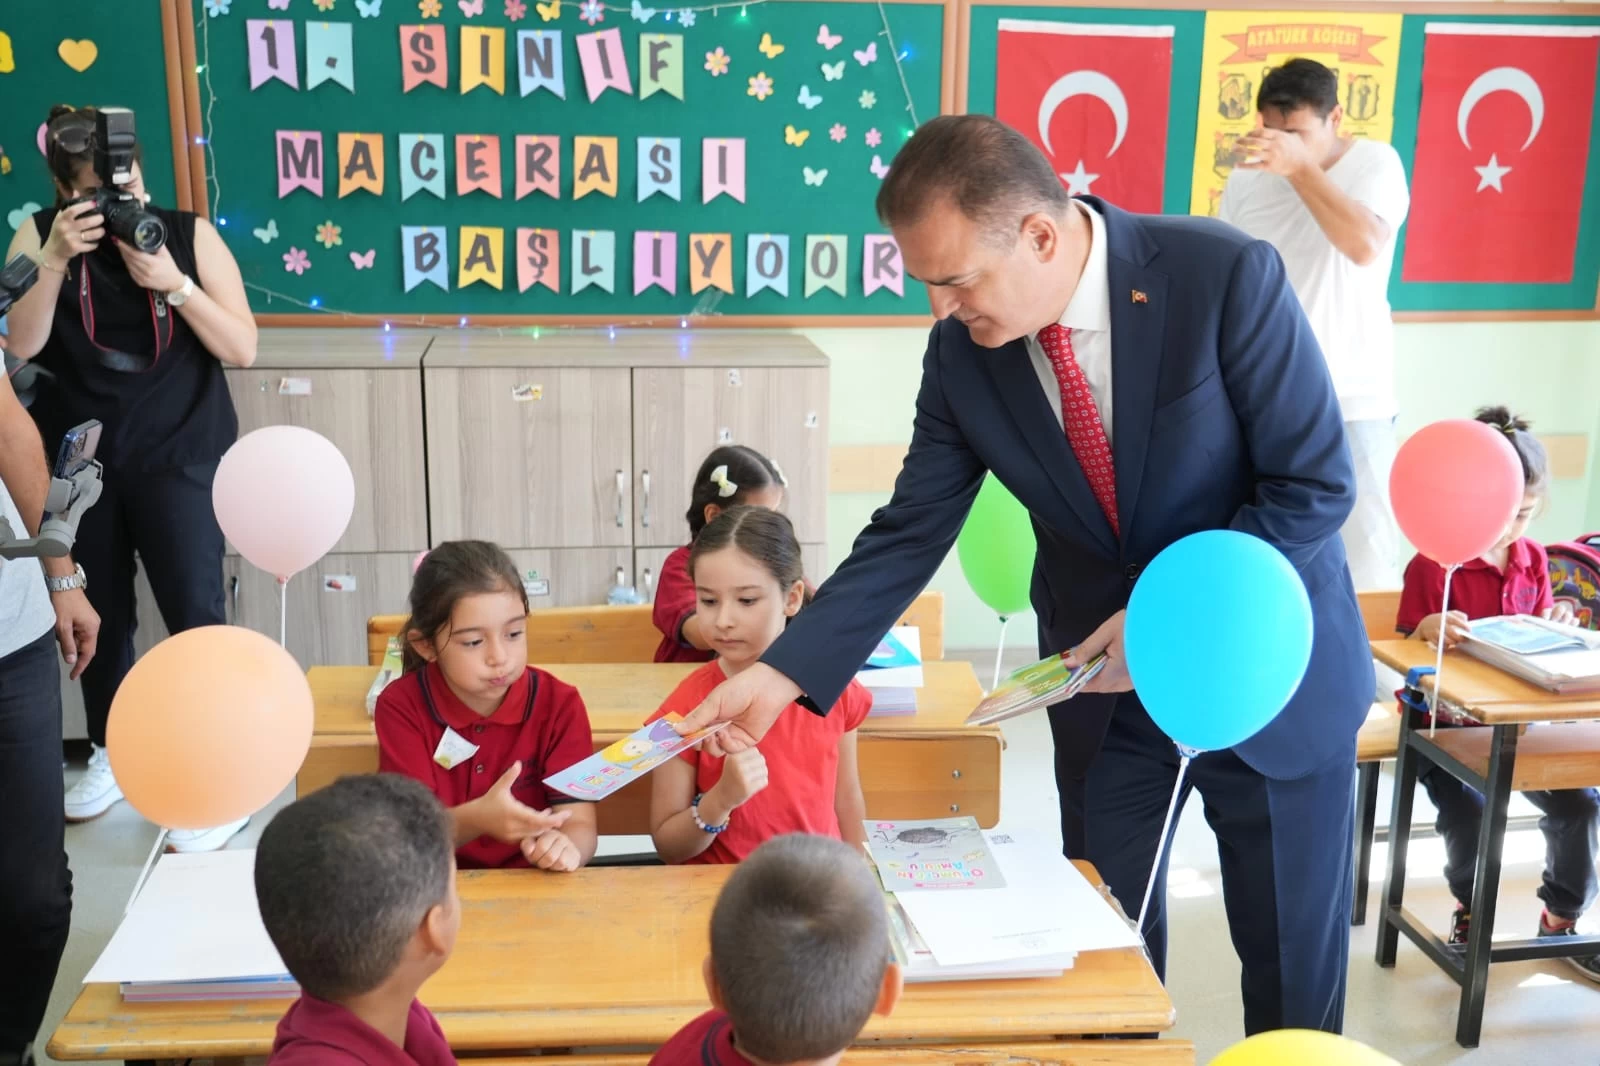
987, 169
345, 876
799, 945
1299, 83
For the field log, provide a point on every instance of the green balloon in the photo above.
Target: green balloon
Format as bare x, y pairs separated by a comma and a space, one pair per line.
996, 549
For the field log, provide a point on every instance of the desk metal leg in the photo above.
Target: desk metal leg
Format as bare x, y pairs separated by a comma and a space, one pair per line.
1486, 884
1394, 883
1366, 823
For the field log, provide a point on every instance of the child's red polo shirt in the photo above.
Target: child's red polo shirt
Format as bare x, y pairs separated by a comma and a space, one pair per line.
1478, 590
315, 1032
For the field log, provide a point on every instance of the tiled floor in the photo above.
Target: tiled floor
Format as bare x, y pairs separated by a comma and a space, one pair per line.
1537, 1014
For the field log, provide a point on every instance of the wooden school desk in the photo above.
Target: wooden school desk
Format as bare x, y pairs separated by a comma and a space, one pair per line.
926, 765
1496, 760
611, 958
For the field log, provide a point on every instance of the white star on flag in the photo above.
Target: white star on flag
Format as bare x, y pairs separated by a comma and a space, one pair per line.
1078, 181
1489, 176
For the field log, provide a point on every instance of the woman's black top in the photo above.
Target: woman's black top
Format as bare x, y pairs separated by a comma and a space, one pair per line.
122, 355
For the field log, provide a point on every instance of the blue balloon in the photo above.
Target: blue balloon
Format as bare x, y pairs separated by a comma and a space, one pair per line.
1217, 636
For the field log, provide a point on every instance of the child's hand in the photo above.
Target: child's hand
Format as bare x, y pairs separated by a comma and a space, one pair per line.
506, 818
1454, 625
1561, 612
744, 773
552, 850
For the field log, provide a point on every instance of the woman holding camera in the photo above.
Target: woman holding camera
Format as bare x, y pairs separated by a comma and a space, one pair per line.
137, 340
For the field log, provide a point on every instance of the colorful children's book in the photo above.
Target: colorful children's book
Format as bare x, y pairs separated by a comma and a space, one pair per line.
1042, 684
626, 760
944, 854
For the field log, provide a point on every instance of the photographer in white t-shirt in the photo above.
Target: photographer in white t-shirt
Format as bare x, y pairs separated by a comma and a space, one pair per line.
1332, 206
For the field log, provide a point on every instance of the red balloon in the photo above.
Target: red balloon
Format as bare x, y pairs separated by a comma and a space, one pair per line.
1455, 488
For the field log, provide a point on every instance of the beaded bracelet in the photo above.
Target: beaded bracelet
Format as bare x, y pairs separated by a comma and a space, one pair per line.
694, 812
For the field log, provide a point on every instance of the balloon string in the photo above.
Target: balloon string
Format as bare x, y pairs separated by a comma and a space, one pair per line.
144, 874
1161, 844
283, 611
1438, 662
1000, 652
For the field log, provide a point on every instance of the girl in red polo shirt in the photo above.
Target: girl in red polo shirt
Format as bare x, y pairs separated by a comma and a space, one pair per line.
803, 778
479, 726
1513, 578
731, 475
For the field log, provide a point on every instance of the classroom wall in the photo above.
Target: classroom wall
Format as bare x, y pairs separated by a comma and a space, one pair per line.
1547, 371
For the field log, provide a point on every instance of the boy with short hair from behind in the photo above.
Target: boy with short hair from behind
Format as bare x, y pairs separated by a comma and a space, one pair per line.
799, 960
357, 889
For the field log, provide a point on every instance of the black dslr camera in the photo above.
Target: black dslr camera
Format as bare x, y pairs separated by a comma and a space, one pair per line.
126, 218
16, 278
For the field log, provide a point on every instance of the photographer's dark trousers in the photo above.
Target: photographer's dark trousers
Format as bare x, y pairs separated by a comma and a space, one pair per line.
35, 884
167, 518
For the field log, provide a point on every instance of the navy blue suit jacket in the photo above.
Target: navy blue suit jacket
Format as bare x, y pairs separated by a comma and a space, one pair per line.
1225, 418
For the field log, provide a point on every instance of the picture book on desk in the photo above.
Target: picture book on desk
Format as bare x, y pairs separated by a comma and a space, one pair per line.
1558, 657
626, 760
939, 855
893, 673
1041, 684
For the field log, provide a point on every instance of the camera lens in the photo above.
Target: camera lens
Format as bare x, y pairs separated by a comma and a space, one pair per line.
149, 233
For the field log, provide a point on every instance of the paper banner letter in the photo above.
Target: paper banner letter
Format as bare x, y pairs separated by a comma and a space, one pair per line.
423, 57
482, 256
881, 267
711, 262
477, 163
660, 64
538, 259
328, 55
594, 260
272, 52
421, 164
425, 253
299, 162
825, 263
767, 263
360, 163
483, 58
655, 261
660, 169
722, 168
539, 62
596, 160
605, 65
538, 164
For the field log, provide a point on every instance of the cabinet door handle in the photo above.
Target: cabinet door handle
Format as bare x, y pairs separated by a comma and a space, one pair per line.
622, 488
649, 586
233, 595
644, 510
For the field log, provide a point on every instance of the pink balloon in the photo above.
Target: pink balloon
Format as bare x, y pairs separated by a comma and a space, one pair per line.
1455, 488
283, 496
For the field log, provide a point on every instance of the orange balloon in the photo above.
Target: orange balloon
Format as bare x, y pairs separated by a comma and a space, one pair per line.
209, 727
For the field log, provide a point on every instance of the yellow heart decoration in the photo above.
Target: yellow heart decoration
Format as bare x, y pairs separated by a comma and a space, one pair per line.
79, 55
8, 58
794, 136
549, 12
768, 49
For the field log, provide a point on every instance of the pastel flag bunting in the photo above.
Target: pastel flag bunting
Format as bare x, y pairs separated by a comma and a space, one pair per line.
766, 263
421, 164
328, 55
605, 65
540, 63
538, 259
595, 160
423, 57
711, 262
538, 165
655, 261
660, 64
272, 52
482, 256
660, 167
478, 163
881, 267
360, 163
299, 161
425, 256
483, 58
826, 263
594, 260
722, 168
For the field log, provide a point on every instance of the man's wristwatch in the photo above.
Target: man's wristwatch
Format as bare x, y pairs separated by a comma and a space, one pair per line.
78, 580
180, 296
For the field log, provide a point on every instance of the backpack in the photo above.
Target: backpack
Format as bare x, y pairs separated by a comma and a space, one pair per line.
1575, 577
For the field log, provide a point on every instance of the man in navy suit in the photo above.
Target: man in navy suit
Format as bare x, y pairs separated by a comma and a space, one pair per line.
1131, 379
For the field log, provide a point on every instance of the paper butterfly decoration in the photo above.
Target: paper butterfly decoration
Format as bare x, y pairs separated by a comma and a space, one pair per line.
879, 171
830, 41
834, 72
794, 136
471, 8
641, 13
363, 262
278, 5
869, 54
267, 234
768, 48
808, 99
549, 12
370, 9
816, 177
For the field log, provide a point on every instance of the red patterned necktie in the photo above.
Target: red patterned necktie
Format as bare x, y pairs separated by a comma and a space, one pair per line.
1085, 432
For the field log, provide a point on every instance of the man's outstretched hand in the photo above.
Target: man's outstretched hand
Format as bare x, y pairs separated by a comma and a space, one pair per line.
750, 701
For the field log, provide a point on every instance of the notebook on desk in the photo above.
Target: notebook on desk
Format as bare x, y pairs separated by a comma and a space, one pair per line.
1558, 657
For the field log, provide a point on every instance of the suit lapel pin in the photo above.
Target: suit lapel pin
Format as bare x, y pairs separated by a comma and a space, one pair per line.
1139, 297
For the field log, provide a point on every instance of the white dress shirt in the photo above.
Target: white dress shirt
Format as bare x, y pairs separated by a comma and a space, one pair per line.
1088, 315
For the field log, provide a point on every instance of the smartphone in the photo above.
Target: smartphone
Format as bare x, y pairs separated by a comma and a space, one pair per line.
77, 449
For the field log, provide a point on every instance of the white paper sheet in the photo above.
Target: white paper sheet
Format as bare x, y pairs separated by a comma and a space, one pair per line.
195, 920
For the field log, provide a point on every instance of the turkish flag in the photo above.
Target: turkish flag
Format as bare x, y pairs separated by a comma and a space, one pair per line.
1502, 149
1093, 99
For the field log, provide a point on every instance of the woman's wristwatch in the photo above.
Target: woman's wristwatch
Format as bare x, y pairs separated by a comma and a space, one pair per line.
180, 296
77, 580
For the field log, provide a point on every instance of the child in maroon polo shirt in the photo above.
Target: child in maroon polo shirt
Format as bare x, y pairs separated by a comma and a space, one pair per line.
799, 961
479, 726
357, 889
1512, 578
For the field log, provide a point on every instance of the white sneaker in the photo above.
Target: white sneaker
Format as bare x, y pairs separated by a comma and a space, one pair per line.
96, 791
186, 841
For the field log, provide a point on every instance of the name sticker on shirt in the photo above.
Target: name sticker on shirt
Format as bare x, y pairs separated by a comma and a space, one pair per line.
453, 750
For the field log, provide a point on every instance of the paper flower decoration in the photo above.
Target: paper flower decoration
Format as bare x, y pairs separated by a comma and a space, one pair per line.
874, 138
296, 261
324, 5
592, 12
717, 62
760, 86
329, 235
838, 132
430, 8
217, 8
687, 17
515, 10
868, 99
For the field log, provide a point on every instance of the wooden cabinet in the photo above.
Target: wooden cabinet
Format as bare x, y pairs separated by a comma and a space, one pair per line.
328, 604
570, 577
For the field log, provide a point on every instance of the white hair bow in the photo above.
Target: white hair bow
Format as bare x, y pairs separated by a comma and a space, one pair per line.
776, 469
719, 478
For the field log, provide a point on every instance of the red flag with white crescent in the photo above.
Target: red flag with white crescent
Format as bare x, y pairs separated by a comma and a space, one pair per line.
1093, 99
1502, 151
